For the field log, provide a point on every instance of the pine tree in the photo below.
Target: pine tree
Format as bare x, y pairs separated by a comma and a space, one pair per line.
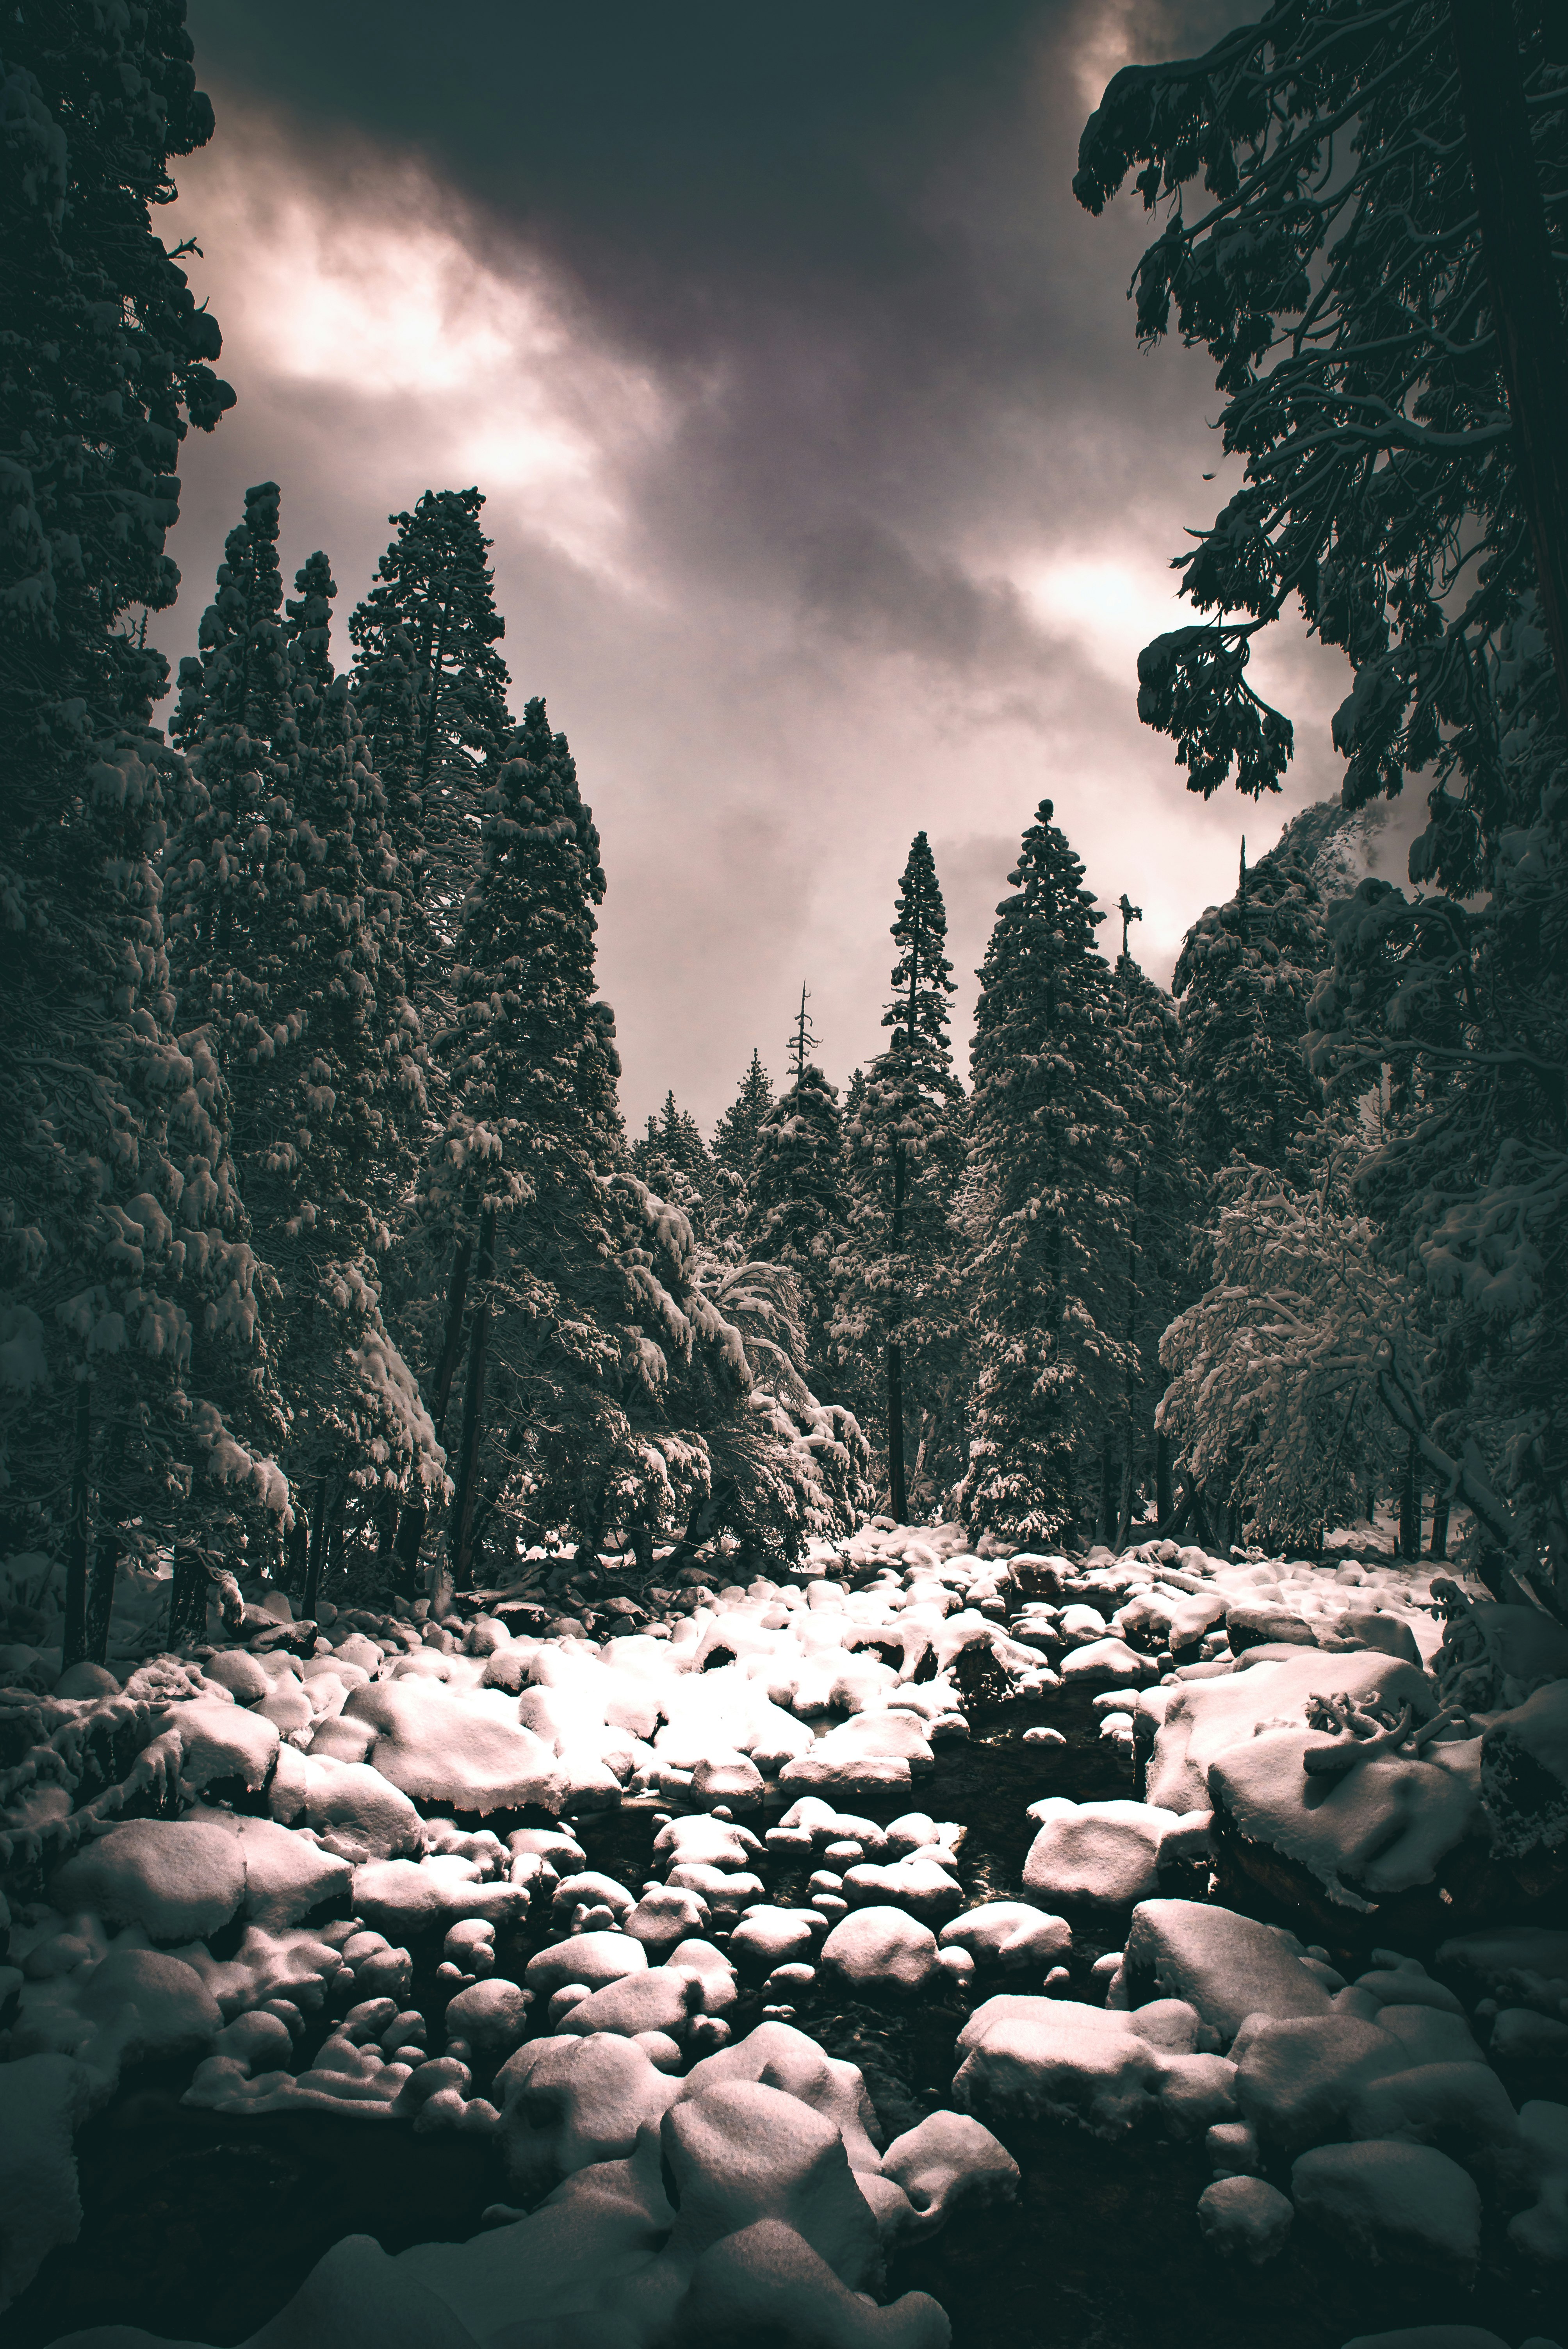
902, 1158
283, 956
675, 1161
1163, 1195
132, 1403
1050, 1138
518, 1200
799, 1212
1244, 979
432, 691
734, 1150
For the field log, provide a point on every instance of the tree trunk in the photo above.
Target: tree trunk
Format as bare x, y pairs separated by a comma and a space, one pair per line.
316, 1563
415, 1516
1106, 1528
642, 1541
74, 1641
107, 1552
1441, 1508
466, 1492
1164, 1498
335, 1544
188, 1595
899, 1496
1410, 1503
1526, 307
296, 1557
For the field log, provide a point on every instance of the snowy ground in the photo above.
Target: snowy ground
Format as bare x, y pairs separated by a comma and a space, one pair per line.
802, 1960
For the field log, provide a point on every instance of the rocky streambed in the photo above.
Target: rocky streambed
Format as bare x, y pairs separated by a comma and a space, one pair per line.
487, 1981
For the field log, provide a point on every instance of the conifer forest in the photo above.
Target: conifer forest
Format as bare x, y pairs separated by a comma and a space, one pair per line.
658, 1700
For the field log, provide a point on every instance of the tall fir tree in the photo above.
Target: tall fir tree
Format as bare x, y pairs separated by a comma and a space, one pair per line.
132, 1394
675, 1161
519, 1202
1245, 980
432, 692
284, 954
1047, 1272
1163, 1194
897, 1297
798, 1214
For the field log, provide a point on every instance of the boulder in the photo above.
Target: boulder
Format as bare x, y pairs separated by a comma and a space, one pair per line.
1228, 1966
1099, 1855
1244, 2217
1010, 1935
949, 2162
439, 1749
180, 1880
880, 1948
1392, 2202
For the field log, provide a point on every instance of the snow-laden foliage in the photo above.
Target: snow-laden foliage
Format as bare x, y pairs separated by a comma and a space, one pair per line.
1051, 1137
896, 1310
284, 952
798, 1210
1274, 1372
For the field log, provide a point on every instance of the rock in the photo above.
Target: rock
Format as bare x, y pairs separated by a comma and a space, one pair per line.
1107, 1663
1100, 1854
1392, 2202
439, 1749
43, 2100
1244, 2217
665, 1916
405, 1897
288, 1877
1524, 1774
1461, 2108
221, 1743
594, 1958
1383, 1827
1295, 2080
1252, 1627
740, 2151
1541, 2232
353, 1808
588, 1890
181, 1880
766, 2281
783, 2057
916, 1882
880, 1948
949, 2162
1389, 1633
1208, 1718
1228, 1966
1010, 1935
1054, 2058
1530, 2051
732, 1779
566, 2103
767, 1937
1504, 1960
661, 1999
845, 1773
491, 2016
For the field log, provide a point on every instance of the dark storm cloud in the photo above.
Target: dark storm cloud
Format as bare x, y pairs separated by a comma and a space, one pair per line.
861, 494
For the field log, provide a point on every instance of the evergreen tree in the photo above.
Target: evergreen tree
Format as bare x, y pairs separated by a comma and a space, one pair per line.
1163, 1194
734, 1135
432, 690
281, 914
902, 1158
132, 1387
1047, 1274
517, 1199
799, 1212
674, 1160
1244, 977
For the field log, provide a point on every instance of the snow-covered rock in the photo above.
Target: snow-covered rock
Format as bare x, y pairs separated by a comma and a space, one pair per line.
1390, 2201
880, 1948
1245, 2218
1228, 1966
1100, 1854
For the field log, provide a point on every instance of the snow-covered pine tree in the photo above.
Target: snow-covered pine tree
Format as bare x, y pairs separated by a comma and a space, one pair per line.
518, 1206
799, 1211
1051, 1143
673, 1160
281, 913
432, 690
1163, 1194
128, 1365
733, 1155
903, 1156
1244, 979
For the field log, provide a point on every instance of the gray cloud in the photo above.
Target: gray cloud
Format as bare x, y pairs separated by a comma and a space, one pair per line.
831, 496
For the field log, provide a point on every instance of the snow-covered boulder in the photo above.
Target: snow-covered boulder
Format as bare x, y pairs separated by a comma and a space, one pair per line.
1388, 2201
1384, 1826
1228, 1966
1245, 2218
1099, 1854
947, 2163
880, 1948
1012, 1936
180, 1880
1110, 2071
439, 1748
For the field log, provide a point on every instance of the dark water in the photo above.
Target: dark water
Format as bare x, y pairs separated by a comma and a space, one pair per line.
201, 2226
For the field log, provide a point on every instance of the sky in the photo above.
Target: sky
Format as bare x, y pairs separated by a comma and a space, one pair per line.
831, 497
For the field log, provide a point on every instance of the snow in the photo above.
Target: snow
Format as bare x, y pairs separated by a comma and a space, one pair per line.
1230, 1967
1099, 1854
180, 1878
1388, 2201
1245, 2218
